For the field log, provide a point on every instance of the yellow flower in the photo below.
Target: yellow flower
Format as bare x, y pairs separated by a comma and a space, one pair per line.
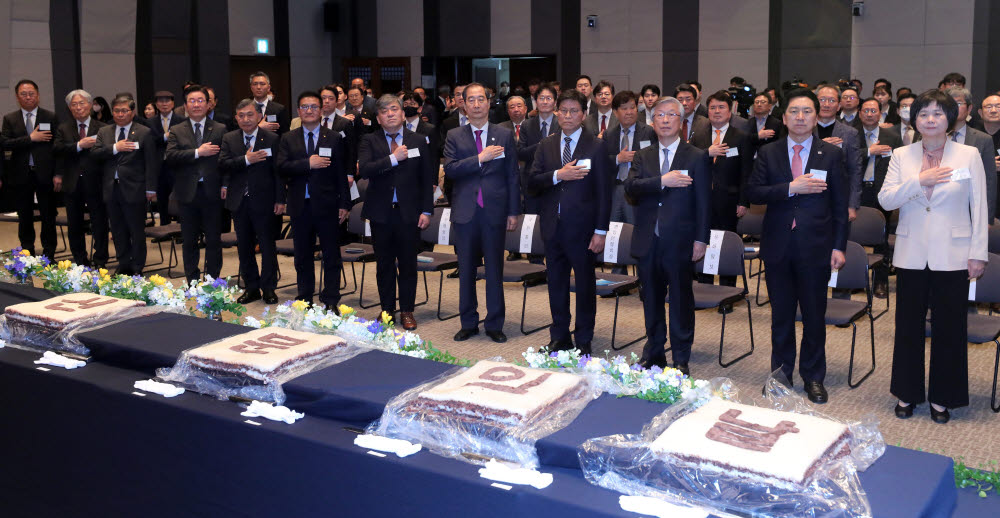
326, 322
157, 280
169, 293
386, 318
345, 309
300, 305
103, 272
65, 265
25, 252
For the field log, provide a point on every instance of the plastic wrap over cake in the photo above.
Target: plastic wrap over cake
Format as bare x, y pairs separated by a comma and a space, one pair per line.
253, 365
735, 459
53, 324
490, 410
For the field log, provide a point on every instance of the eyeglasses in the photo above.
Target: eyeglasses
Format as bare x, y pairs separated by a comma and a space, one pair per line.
546, 98
308, 107
794, 112
27, 94
991, 107
196, 101
567, 112
828, 100
850, 98
78, 104
121, 111
661, 115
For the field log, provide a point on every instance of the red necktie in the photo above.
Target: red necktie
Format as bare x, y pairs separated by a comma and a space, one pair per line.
517, 132
684, 131
604, 123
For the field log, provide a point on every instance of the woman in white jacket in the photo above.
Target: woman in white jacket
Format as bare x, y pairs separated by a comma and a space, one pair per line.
939, 187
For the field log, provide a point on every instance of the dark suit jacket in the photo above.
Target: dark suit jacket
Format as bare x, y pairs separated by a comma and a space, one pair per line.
613, 137
771, 123
70, 162
224, 119
449, 123
350, 136
17, 140
892, 117
137, 170
359, 125
699, 126
154, 124
593, 123
498, 178
187, 169
853, 142
433, 139
327, 186
260, 181
585, 202
888, 137
984, 143
820, 219
683, 214
531, 135
413, 179
729, 174
281, 114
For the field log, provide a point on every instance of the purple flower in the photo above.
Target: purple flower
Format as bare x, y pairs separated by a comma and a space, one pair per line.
374, 327
553, 354
583, 361
45, 261
219, 283
636, 367
402, 342
655, 369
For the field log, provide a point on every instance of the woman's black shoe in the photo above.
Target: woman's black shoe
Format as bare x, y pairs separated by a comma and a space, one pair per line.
941, 417
904, 412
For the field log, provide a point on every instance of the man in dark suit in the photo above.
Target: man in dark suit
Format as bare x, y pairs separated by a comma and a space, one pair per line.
692, 122
128, 151
768, 127
481, 159
413, 122
850, 102
878, 152
456, 117
624, 140
517, 110
401, 173
363, 118
440, 101
649, 95
161, 124
671, 184
329, 119
570, 172
218, 116
427, 112
312, 159
367, 101
533, 131
731, 153
602, 117
192, 151
832, 131
585, 86
78, 177
964, 133
27, 134
699, 108
804, 237
255, 194
275, 117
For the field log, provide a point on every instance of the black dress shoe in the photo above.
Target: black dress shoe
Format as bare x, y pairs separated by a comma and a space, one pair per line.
454, 274
584, 349
941, 417
559, 345
332, 308
816, 392
248, 297
270, 297
881, 291
464, 334
497, 336
648, 363
683, 367
903, 412
725, 309
514, 256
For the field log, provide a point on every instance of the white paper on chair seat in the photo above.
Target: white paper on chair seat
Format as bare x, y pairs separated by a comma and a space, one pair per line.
501, 472
972, 290
833, 278
444, 227
58, 360
527, 230
355, 193
713, 252
656, 507
437, 192
368, 229
376, 442
611, 242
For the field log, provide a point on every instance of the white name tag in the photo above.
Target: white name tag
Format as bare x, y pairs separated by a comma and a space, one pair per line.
683, 172
368, 229
427, 139
413, 153
833, 278
502, 155
732, 152
272, 118
325, 151
266, 150
961, 173
713, 252
444, 228
611, 242
135, 145
584, 163
819, 174
343, 135
44, 126
643, 144
972, 290
355, 194
527, 230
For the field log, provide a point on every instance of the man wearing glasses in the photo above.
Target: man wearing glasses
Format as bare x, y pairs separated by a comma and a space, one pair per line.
313, 160
964, 133
193, 154
849, 108
603, 118
879, 143
832, 131
27, 134
672, 186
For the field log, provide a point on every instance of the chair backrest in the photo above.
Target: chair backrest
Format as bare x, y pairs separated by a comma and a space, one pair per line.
432, 233
512, 240
362, 189
355, 223
994, 239
752, 223
854, 274
988, 286
868, 229
730, 256
624, 247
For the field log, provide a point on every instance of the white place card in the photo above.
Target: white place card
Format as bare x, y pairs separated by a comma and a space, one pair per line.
355, 193
444, 228
44, 126
833, 278
527, 230
713, 252
611, 242
368, 229
972, 290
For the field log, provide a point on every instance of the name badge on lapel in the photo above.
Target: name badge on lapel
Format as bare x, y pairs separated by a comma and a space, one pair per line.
732, 152
818, 174
272, 118
584, 163
325, 151
643, 144
266, 150
961, 173
412, 153
44, 126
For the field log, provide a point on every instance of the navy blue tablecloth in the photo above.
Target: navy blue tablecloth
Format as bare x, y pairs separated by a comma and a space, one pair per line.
11, 294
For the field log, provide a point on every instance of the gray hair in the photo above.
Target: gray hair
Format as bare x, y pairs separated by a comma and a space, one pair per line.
511, 98
82, 93
669, 100
244, 103
385, 101
961, 91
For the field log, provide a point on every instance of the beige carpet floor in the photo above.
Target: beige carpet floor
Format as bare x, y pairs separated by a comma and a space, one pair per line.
969, 436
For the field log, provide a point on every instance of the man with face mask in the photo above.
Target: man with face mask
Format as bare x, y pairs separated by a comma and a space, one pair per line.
906, 132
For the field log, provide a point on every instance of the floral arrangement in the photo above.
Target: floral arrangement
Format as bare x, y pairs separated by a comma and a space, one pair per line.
621, 376
21, 265
214, 296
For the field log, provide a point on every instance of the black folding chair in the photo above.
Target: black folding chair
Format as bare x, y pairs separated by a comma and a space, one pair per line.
170, 232
752, 225
868, 229
618, 285
986, 328
840, 312
358, 252
437, 261
528, 274
706, 296
994, 239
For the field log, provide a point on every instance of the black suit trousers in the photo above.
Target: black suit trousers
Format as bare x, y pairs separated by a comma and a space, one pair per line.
395, 246
656, 273
24, 204
128, 229
87, 197
306, 227
475, 241
799, 281
945, 293
203, 216
565, 251
252, 228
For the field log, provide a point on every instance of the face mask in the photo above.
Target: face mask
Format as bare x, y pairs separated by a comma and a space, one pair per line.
904, 113
410, 111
